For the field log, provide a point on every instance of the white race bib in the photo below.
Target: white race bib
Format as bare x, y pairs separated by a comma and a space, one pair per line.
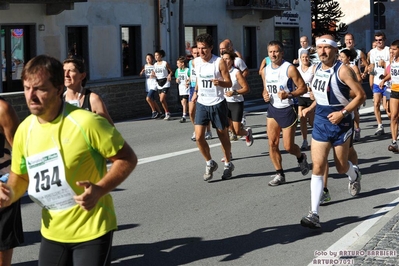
320, 87
47, 182
205, 84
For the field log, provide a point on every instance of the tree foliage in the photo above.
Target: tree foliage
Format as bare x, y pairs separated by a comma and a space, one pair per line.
326, 16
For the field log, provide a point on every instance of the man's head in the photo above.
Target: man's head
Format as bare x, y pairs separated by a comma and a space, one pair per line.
194, 51
349, 41
224, 46
304, 42
327, 50
275, 50
43, 81
380, 38
394, 49
205, 46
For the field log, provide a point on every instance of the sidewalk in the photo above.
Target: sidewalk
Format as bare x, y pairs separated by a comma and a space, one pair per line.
381, 242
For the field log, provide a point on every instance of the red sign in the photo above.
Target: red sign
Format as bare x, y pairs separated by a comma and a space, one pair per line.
17, 33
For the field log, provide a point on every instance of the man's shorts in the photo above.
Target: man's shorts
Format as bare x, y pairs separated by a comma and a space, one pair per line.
285, 117
151, 94
335, 134
236, 111
395, 95
377, 89
304, 101
217, 114
183, 97
11, 233
163, 90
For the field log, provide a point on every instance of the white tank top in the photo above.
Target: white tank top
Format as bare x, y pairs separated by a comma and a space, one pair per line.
307, 76
236, 86
277, 80
162, 72
208, 94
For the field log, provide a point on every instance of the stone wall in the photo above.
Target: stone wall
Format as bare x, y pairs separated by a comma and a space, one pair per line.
125, 99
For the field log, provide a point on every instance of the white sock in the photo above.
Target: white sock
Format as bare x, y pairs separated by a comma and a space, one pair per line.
351, 172
316, 190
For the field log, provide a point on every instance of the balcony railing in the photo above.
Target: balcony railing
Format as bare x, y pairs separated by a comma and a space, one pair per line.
53, 7
269, 8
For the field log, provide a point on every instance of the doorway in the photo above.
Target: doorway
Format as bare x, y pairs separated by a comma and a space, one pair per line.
15, 52
290, 40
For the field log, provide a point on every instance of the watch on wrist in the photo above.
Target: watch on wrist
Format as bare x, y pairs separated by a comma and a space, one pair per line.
235, 93
290, 96
344, 112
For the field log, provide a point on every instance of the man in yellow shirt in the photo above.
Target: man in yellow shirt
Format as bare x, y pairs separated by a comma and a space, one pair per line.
60, 157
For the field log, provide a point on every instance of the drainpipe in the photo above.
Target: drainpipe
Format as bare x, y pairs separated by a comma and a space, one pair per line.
168, 48
157, 30
182, 43
371, 25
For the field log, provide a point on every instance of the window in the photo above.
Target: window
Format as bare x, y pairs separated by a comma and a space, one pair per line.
16, 50
191, 33
250, 47
290, 39
78, 46
130, 50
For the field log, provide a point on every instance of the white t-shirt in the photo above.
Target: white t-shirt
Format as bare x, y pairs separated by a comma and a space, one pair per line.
375, 56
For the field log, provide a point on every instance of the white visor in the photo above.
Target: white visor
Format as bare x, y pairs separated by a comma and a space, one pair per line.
326, 41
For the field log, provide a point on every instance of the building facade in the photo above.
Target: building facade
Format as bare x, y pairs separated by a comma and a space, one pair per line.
113, 37
363, 25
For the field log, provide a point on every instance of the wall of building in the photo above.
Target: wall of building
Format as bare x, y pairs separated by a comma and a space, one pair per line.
125, 99
357, 16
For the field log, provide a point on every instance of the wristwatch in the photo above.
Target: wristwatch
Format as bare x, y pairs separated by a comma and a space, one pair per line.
344, 112
235, 93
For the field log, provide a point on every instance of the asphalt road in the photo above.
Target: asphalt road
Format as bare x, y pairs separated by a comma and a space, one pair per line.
168, 215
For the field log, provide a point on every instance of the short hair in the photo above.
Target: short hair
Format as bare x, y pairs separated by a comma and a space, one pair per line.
79, 65
194, 46
205, 38
351, 53
50, 65
182, 59
304, 51
161, 52
350, 34
277, 43
150, 55
231, 53
395, 43
380, 33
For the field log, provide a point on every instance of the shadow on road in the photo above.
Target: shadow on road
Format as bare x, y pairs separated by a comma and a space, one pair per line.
188, 250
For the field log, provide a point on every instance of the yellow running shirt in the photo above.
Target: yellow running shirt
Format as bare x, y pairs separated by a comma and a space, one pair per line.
83, 140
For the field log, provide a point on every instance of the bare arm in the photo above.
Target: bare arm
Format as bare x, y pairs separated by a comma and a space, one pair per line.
226, 82
357, 93
16, 185
262, 66
365, 64
357, 73
243, 84
298, 81
98, 107
9, 121
169, 70
124, 163
245, 73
